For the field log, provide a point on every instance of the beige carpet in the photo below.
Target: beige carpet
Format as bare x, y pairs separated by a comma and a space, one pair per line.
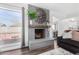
57, 51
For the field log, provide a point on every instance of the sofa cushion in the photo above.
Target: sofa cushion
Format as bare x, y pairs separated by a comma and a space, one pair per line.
70, 42
70, 48
75, 35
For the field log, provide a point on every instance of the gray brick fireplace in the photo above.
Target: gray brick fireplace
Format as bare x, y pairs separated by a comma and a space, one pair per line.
38, 33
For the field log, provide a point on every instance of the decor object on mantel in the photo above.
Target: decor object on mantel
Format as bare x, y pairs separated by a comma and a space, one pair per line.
32, 15
42, 16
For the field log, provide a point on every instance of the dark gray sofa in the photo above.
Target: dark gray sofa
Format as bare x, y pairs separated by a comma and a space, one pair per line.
68, 44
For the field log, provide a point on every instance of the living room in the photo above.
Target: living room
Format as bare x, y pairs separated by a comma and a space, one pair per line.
39, 28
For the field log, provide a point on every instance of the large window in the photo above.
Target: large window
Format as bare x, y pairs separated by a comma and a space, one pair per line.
10, 26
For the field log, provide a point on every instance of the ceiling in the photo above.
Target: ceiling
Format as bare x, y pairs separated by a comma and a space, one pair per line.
61, 10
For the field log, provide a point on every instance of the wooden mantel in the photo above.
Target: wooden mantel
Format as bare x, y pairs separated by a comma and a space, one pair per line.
39, 26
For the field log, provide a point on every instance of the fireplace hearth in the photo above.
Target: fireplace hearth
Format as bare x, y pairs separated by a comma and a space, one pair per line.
39, 33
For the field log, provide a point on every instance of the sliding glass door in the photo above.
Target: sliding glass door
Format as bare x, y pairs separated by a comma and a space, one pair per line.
10, 29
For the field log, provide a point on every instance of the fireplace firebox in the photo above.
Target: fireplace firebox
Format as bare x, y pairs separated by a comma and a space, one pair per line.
39, 33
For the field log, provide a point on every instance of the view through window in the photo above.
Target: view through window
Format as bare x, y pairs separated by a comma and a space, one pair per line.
10, 26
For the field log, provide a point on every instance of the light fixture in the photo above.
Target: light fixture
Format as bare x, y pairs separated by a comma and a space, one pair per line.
72, 20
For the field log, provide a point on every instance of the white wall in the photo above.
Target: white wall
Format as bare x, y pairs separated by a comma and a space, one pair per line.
53, 20
65, 25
